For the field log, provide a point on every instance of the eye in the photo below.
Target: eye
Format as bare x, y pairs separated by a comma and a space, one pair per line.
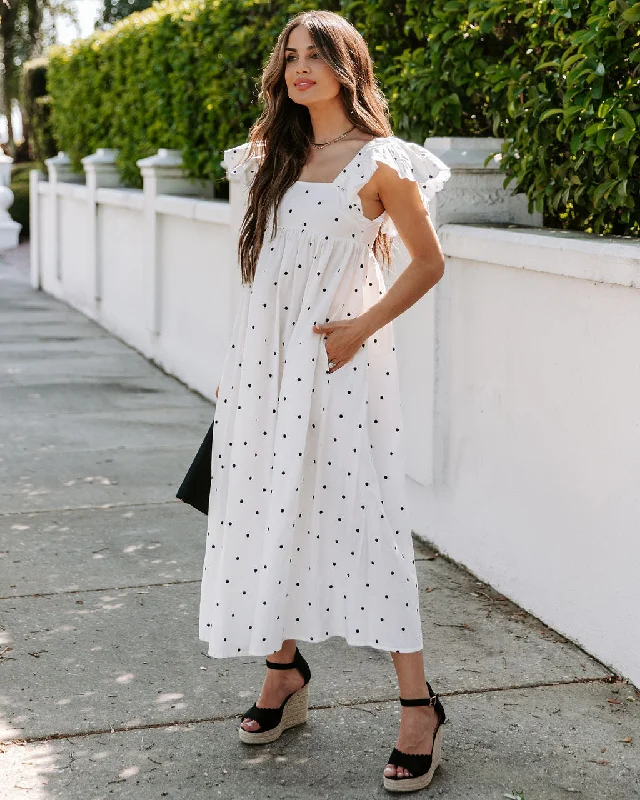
289, 57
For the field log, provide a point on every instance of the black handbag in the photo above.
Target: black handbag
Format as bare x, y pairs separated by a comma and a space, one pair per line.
196, 485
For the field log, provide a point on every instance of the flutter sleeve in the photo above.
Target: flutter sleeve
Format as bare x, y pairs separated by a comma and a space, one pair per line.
237, 161
408, 159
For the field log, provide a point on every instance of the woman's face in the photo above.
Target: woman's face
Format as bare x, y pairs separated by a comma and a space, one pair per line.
309, 80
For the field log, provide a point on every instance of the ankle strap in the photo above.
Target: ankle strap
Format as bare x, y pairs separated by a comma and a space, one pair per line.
420, 701
289, 665
275, 665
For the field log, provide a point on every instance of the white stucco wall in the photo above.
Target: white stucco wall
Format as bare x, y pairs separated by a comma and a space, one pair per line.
121, 282
538, 487
198, 295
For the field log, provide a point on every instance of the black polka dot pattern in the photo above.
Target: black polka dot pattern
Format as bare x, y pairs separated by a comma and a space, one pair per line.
308, 533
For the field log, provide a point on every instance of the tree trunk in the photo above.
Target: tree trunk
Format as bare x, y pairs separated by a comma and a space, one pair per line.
34, 30
34, 25
7, 33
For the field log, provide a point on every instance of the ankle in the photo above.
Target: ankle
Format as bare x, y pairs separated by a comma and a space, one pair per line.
286, 653
418, 718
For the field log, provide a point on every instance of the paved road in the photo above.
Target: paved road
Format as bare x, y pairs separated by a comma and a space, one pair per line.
105, 689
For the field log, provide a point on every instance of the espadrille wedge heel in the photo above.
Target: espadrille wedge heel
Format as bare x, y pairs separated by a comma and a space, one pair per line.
420, 765
293, 710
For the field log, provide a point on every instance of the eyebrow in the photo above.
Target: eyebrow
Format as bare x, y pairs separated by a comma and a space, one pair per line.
309, 46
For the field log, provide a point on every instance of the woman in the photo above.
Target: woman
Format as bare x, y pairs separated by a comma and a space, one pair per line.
308, 535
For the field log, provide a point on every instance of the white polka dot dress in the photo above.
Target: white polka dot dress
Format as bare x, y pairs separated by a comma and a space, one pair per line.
308, 532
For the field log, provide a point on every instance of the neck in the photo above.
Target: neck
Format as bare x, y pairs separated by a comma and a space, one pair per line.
328, 120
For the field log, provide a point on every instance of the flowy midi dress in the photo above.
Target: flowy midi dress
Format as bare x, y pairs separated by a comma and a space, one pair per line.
308, 534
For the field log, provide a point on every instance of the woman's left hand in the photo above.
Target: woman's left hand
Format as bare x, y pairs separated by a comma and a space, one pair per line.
343, 338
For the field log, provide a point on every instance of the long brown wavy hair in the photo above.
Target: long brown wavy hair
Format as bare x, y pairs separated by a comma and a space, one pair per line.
283, 132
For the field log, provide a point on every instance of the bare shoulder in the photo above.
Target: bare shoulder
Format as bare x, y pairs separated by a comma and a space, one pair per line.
362, 138
356, 143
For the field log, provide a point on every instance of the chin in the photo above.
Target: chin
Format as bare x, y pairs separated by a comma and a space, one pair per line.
299, 101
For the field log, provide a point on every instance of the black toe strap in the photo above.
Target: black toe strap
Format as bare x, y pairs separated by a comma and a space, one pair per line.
416, 763
267, 718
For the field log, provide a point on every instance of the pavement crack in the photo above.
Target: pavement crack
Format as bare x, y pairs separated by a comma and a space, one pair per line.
101, 507
20, 742
100, 589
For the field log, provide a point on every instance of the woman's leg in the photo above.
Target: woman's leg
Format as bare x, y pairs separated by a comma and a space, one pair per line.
278, 683
417, 723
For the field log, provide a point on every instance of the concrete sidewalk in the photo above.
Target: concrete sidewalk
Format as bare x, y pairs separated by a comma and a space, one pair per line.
105, 689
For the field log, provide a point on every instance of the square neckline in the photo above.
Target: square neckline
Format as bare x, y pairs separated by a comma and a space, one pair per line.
344, 169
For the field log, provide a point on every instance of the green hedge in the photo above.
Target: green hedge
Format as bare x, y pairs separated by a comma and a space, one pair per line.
182, 74
573, 114
557, 78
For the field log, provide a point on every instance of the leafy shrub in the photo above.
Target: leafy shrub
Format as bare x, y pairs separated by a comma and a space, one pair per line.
557, 78
432, 59
573, 114
183, 74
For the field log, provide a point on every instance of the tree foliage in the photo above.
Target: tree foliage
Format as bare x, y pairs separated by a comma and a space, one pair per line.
26, 29
114, 10
36, 110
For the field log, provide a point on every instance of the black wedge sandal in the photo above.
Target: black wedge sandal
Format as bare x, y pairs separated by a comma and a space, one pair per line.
293, 710
420, 765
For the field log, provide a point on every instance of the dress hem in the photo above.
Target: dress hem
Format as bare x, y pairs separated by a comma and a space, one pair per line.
250, 652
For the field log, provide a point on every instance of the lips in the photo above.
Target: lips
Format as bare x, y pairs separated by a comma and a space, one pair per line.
304, 84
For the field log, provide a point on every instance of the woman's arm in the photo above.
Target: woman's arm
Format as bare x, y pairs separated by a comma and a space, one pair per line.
402, 201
